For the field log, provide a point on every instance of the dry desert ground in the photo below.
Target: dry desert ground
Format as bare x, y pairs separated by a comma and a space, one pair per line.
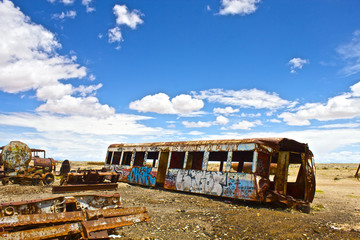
335, 211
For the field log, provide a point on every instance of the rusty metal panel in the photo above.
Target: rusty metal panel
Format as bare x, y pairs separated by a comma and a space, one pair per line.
84, 187
233, 185
16, 156
58, 204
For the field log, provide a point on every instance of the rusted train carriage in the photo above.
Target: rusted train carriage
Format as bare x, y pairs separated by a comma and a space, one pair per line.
249, 169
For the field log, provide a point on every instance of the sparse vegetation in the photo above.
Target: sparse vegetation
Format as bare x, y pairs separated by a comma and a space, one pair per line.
319, 191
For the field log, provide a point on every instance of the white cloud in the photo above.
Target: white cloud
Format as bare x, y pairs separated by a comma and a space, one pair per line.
240, 7
56, 91
28, 59
84, 106
297, 63
252, 98
341, 125
67, 14
118, 124
125, 17
324, 143
161, 103
245, 125
220, 120
115, 35
225, 111
87, 4
77, 138
345, 106
274, 120
252, 115
350, 52
196, 133
66, 2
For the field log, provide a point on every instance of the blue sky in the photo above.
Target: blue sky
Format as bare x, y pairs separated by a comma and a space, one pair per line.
78, 75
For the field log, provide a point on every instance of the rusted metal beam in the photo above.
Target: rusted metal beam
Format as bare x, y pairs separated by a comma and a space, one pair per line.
85, 228
61, 204
84, 187
11, 222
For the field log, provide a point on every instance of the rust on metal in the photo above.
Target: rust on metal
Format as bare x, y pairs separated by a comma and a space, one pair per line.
60, 204
254, 169
84, 187
85, 216
15, 167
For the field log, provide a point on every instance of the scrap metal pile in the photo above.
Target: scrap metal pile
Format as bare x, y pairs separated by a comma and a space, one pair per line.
83, 216
81, 180
17, 165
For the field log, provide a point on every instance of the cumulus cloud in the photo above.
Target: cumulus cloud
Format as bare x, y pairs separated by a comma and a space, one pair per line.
115, 35
67, 14
225, 111
220, 120
28, 58
85, 106
245, 125
344, 106
123, 17
161, 103
238, 7
252, 98
29, 61
87, 4
297, 63
350, 52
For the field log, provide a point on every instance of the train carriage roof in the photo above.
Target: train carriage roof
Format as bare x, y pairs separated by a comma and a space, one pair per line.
280, 144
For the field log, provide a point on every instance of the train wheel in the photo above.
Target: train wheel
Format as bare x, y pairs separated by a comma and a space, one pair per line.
49, 179
35, 180
5, 182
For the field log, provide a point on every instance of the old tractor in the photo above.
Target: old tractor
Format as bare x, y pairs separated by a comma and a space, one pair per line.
21, 165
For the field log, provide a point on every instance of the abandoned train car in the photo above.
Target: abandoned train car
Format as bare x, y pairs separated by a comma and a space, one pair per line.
249, 169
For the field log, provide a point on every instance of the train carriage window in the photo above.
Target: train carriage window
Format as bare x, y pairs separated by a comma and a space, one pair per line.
151, 159
177, 160
109, 156
195, 160
127, 158
294, 172
116, 158
242, 161
139, 159
216, 161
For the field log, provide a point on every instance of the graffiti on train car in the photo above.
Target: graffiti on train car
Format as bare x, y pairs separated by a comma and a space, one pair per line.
142, 175
137, 175
213, 183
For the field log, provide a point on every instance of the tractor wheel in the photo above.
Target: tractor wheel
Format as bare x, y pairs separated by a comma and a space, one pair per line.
48, 179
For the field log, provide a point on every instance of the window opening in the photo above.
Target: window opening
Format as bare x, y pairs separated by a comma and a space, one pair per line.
139, 159
177, 160
195, 160
216, 161
127, 158
242, 161
109, 156
116, 158
152, 157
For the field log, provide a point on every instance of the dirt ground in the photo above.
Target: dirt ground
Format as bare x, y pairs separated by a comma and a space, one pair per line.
335, 212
